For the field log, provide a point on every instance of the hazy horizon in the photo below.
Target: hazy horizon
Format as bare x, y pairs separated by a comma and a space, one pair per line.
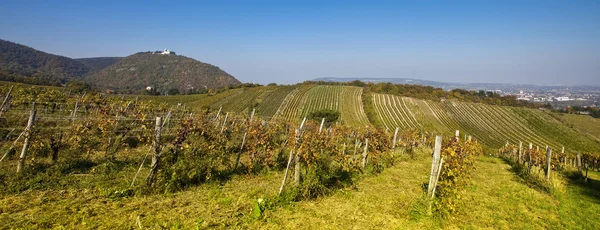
520, 42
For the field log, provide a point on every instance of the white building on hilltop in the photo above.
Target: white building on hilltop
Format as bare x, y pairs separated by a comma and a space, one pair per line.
166, 51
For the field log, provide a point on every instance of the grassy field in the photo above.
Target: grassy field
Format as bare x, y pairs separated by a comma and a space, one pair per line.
495, 198
583, 123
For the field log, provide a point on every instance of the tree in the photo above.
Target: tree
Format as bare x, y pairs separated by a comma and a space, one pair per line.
78, 86
329, 115
173, 91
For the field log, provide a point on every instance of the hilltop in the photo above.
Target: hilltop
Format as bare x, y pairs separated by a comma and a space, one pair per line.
19, 61
162, 73
132, 74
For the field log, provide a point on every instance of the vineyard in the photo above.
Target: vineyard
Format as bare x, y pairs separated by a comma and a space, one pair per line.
394, 111
493, 125
306, 99
250, 153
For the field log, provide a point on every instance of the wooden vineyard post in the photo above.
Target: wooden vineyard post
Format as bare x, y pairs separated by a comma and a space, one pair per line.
395, 139
27, 137
224, 122
287, 169
12, 147
578, 162
365, 153
237, 160
586, 165
75, 110
252, 115
520, 152
156, 154
5, 100
456, 134
218, 113
530, 158
321, 126
436, 165
297, 158
562, 153
437, 177
548, 162
167, 119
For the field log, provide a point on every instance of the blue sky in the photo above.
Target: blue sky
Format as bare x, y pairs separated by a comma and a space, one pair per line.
533, 42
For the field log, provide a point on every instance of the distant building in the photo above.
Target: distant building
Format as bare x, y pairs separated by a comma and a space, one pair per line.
166, 51
563, 99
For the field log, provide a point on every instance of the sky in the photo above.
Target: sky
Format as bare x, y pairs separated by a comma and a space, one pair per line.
521, 42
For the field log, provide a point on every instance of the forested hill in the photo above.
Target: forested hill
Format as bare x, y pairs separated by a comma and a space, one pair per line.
133, 74
19, 61
161, 72
96, 64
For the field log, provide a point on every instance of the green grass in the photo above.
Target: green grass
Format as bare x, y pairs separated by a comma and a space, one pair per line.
583, 123
496, 198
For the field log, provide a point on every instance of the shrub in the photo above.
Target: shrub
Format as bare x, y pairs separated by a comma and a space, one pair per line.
456, 173
330, 116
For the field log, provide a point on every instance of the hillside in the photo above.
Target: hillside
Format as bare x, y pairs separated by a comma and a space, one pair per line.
96, 64
162, 72
23, 61
491, 124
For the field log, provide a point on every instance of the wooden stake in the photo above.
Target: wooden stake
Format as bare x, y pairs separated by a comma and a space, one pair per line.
578, 161
6, 100
548, 162
286, 171
27, 137
297, 158
434, 164
321, 127
365, 153
237, 160
395, 139
75, 110
520, 151
156, 147
218, 113
437, 177
12, 146
224, 122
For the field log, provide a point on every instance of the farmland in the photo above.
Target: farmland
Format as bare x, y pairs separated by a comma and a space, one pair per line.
493, 125
308, 98
218, 170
